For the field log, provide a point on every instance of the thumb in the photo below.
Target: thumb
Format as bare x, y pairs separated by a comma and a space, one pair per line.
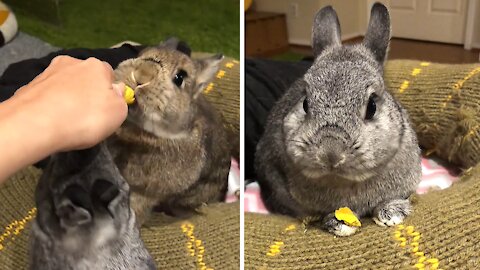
119, 88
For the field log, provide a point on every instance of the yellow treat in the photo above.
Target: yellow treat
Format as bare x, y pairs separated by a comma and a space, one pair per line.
129, 95
346, 215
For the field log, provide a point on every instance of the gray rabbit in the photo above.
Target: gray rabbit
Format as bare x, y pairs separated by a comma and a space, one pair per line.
84, 220
172, 149
337, 138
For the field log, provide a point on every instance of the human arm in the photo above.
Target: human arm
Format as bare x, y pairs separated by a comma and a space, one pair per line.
71, 105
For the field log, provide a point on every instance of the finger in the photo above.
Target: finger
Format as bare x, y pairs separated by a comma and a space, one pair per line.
102, 67
58, 62
116, 116
109, 70
108, 66
119, 88
64, 60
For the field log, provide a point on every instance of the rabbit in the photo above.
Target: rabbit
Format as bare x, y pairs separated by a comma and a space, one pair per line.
84, 220
172, 149
337, 138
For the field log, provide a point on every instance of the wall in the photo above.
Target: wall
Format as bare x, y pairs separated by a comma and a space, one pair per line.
279, 6
300, 15
353, 16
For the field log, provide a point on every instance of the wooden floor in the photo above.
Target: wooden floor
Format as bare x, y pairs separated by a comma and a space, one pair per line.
417, 50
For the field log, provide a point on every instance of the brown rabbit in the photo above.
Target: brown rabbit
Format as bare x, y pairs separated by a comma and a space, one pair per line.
172, 149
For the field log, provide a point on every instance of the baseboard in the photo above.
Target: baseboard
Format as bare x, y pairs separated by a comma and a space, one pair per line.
352, 36
476, 45
299, 41
307, 42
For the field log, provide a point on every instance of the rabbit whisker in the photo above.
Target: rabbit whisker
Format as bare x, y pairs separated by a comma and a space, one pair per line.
141, 85
301, 142
297, 172
132, 76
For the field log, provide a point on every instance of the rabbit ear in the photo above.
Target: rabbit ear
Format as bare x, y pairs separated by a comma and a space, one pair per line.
176, 44
71, 215
73, 162
171, 43
326, 30
377, 37
106, 193
206, 70
73, 208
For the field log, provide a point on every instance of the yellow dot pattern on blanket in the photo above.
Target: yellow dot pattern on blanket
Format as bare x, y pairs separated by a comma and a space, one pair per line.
454, 92
406, 83
460, 83
15, 228
209, 88
416, 71
457, 87
220, 74
275, 248
408, 238
195, 246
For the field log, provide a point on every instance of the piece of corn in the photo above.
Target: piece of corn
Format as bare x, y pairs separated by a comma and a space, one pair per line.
346, 215
129, 95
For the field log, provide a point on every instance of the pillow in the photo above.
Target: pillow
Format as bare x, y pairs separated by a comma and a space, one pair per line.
8, 24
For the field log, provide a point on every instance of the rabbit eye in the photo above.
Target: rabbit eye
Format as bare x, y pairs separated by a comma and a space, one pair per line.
371, 107
179, 77
305, 105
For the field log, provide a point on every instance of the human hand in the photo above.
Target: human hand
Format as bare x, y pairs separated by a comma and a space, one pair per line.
75, 102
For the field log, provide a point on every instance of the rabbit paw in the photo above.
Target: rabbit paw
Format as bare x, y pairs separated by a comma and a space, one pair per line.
337, 227
391, 213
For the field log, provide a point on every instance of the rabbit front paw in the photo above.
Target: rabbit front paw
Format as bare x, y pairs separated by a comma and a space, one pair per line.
337, 227
392, 213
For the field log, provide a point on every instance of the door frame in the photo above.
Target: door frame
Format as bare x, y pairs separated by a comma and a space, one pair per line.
469, 27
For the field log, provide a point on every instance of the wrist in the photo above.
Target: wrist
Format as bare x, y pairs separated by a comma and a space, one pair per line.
35, 127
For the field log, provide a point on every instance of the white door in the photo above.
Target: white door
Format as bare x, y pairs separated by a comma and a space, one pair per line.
432, 20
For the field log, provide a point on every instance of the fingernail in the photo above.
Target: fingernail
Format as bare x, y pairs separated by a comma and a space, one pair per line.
119, 88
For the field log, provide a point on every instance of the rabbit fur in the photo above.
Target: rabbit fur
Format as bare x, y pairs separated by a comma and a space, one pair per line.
172, 149
84, 220
323, 149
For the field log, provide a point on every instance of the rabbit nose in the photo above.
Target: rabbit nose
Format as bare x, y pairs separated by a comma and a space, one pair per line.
334, 159
332, 152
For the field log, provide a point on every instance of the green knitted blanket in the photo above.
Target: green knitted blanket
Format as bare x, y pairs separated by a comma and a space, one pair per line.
224, 94
206, 241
